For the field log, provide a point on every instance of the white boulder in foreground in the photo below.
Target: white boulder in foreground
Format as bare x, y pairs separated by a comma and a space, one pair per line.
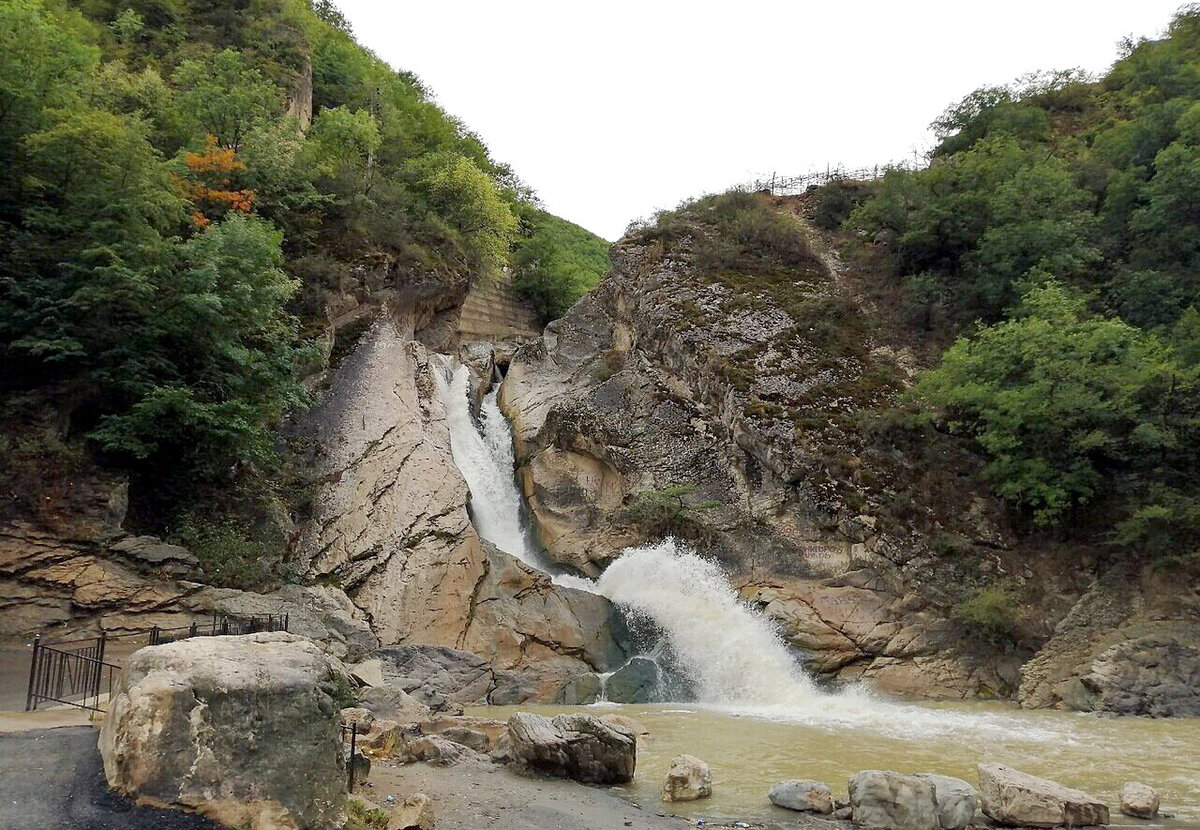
241, 729
1138, 800
889, 799
689, 779
573, 746
803, 796
1017, 798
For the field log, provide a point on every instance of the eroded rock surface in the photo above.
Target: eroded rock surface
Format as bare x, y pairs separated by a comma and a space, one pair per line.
662, 379
580, 747
1013, 797
243, 729
888, 799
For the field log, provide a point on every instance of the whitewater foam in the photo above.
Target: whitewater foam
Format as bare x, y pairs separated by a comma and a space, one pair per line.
739, 664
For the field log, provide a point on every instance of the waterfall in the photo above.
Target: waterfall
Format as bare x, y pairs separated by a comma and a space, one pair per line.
483, 454
736, 661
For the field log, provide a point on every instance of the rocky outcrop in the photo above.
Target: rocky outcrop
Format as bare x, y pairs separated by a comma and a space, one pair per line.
1012, 797
580, 747
1130, 646
727, 409
688, 779
892, 800
665, 382
803, 796
390, 523
243, 729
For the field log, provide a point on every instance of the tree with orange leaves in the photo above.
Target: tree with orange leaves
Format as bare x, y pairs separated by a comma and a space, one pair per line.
208, 184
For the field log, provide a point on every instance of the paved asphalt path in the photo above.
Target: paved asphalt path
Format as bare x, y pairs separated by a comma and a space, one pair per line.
51, 779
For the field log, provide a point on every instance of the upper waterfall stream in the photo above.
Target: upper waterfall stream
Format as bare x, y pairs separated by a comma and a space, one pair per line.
483, 454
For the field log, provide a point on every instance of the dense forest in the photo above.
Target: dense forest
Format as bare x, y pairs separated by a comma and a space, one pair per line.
1055, 236
173, 211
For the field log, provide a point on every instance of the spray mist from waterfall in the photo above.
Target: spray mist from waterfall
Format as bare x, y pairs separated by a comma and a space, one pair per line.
484, 456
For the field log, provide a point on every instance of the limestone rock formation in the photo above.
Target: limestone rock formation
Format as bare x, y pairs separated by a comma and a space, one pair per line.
243, 729
580, 747
1016, 798
1130, 646
657, 380
802, 796
892, 800
391, 524
957, 800
688, 779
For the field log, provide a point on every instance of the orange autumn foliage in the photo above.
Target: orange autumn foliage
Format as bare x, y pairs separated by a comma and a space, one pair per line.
209, 182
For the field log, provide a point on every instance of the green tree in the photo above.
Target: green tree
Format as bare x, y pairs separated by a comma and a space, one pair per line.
1066, 405
225, 356
223, 95
469, 201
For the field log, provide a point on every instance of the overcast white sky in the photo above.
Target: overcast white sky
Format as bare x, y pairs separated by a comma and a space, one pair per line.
612, 110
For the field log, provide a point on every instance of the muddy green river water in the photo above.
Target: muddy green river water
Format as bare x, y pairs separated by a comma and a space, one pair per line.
750, 752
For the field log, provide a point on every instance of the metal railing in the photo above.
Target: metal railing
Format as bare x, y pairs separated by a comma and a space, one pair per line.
220, 625
71, 676
791, 185
74, 671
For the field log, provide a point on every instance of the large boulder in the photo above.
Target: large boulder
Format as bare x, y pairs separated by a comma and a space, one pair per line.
802, 795
957, 800
894, 801
1017, 798
689, 779
1139, 800
580, 747
243, 729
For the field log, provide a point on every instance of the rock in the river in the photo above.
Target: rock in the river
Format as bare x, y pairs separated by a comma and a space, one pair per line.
243, 729
1017, 798
580, 690
889, 799
957, 800
689, 779
803, 795
1138, 800
415, 813
581, 747
635, 682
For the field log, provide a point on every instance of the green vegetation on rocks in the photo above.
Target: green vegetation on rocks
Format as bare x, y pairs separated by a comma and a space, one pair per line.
1055, 231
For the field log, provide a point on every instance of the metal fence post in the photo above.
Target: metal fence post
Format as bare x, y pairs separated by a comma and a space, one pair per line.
30, 703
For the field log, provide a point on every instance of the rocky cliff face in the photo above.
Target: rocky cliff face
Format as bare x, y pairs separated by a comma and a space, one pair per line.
730, 411
390, 524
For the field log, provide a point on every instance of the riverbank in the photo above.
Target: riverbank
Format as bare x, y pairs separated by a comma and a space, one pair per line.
750, 753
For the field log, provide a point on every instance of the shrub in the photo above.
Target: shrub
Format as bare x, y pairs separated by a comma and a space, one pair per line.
991, 611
